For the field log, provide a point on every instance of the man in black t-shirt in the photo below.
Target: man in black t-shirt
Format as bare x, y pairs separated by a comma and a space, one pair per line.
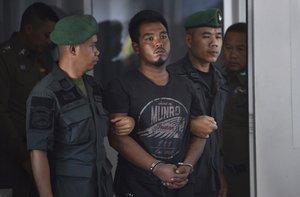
158, 156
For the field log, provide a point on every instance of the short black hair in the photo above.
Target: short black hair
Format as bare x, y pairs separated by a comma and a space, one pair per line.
38, 13
237, 27
144, 16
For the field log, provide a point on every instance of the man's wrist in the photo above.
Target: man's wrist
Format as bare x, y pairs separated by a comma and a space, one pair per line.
154, 164
186, 164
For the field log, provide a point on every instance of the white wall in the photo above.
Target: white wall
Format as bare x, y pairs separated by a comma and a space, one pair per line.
277, 156
234, 11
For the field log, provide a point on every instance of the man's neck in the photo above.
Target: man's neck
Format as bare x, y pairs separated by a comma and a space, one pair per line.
68, 68
158, 75
198, 64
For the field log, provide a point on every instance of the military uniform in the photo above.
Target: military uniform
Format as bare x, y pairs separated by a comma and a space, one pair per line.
212, 90
71, 127
20, 70
207, 170
235, 126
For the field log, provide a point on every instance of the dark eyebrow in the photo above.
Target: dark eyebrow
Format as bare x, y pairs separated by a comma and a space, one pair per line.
147, 34
206, 33
209, 33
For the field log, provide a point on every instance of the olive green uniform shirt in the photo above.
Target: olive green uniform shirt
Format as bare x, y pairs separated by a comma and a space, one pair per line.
20, 70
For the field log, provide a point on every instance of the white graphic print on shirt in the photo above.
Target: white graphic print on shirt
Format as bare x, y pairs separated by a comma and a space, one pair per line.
163, 135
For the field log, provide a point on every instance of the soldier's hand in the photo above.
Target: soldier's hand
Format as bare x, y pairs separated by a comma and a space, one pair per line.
202, 126
122, 125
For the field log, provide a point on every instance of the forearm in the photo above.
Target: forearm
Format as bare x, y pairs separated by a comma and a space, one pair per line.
41, 172
128, 147
131, 151
195, 149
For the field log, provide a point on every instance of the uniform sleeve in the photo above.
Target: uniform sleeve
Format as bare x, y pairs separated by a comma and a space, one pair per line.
40, 122
197, 107
116, 100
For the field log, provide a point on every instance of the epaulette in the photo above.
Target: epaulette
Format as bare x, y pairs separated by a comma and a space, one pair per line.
65, 84
5, 48
22, 52
90, 80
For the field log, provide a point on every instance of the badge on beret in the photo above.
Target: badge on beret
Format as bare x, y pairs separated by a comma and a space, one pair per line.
206, 18
219, 17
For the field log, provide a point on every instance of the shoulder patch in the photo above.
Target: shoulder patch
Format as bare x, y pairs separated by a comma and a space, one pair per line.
66, 97
41, 113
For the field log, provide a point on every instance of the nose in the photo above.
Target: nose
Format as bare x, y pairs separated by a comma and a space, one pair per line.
215, 42
234, 53
97, 53
159, 43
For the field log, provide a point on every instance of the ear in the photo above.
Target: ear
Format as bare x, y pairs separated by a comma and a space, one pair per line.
188, 40
135, 47
28, 28
72, 50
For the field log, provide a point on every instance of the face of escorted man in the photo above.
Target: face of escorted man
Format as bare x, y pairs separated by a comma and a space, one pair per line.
154, 44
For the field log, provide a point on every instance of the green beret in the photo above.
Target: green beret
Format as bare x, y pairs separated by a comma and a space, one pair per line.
207, 18
74, 29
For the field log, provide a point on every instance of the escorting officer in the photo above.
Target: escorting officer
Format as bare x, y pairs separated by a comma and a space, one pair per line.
66, 122
236, 119
22, 65
203, 37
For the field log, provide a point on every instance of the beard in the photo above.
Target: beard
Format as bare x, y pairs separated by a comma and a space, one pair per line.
159, 63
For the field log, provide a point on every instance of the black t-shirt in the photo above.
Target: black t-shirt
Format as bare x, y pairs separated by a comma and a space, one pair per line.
161, 113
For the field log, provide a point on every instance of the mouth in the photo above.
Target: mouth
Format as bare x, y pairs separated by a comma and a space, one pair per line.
96, 61
213, 53
160, 51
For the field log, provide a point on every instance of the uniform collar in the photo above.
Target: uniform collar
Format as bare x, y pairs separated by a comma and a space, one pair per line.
63, 79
